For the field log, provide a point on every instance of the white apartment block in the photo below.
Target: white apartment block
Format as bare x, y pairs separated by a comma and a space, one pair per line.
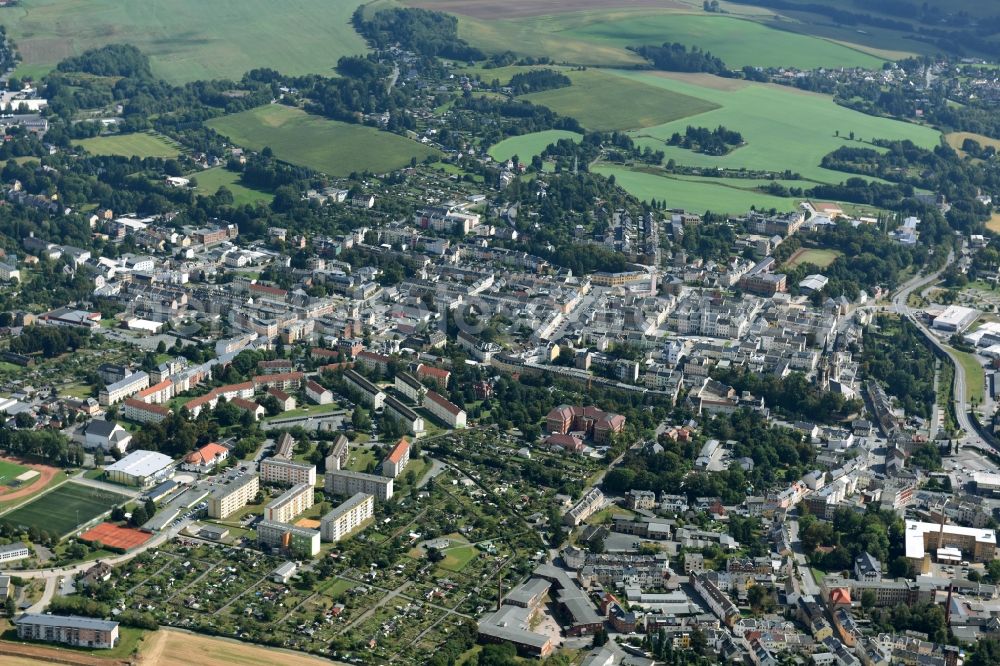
114, 393
339, 522
233, 496
445, 410
279, 471
291, 503
343, 482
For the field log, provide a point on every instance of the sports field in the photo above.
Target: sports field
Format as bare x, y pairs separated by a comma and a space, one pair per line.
693, 195
814, 256
210, 180
527, 146
606, 101
115, 536
62, 510
9, 471
139, 144
188, 40
329, 146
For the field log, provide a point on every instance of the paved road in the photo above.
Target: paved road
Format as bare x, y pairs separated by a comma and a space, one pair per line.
806, 579
50, 591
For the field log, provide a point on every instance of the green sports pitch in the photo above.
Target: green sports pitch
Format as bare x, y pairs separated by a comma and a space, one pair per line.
65, 508
10, 471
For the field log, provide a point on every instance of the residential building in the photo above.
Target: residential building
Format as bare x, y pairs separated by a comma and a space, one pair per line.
346, 517
408, 385
118, 391
318, 394
371, 395
141, 412
587, 506
443, 409
233, 496
413, 422
205, 459
299, 541
339, 454
283, 472
72, 630
347, 483
289, 504
397, 460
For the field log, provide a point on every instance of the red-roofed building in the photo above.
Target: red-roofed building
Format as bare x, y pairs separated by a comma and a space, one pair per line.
318, 394
568, 442
251, 406
157, 394
285, 401
444, 409
373, 361
398, 458
283, 381
840, 596
206, 458
275, 367
321, 354
596, 423
211, 399
268, 291
435, 374
142, 412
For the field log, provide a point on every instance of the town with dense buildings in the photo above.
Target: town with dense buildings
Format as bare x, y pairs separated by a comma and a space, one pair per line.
479, 409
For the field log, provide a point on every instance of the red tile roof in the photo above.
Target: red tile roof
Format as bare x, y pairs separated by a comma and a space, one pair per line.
206, 454
398, 451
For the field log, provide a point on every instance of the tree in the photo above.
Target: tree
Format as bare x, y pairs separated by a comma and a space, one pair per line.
986, 653
138, 516
360, 420
868, 600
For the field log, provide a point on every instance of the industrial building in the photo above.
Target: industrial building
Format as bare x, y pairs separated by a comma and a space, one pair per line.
141, 468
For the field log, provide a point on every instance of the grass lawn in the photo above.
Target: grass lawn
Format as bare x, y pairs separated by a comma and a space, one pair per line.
76, 390
325, 145
337, 588
975, 376
210, 180
527, 146
696, 196
817, 257
811, 126
64, 509
189, 40
994, 223
606, 101
360, 459
305, 410
956, 139
10, 471
139, 144
608, 515
457, 557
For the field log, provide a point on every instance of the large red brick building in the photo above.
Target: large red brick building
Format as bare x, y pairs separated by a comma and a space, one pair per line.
596, 423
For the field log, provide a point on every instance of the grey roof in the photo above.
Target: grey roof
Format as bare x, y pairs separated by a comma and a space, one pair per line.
525, 592
11, 547
141, 463
101, 428
74, 621
346, 506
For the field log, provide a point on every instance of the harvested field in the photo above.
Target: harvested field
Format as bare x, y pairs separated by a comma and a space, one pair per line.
125, 538
169, 647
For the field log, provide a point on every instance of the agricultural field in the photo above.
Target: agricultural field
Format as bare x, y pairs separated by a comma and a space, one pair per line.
527, 146
62, 510
956, 139
189, 40
737, 42
328, 146
210, 180
139, 144
607, 101
697, 196
170, 647
817, 257
812, 126
591, 33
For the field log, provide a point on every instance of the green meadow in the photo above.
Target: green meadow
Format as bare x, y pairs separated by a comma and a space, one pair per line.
188, 40
138, 144
210, 180
784, 128
329, 146
527, 146
603, 100
693, 195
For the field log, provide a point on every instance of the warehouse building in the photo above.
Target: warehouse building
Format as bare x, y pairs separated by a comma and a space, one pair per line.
141, 468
